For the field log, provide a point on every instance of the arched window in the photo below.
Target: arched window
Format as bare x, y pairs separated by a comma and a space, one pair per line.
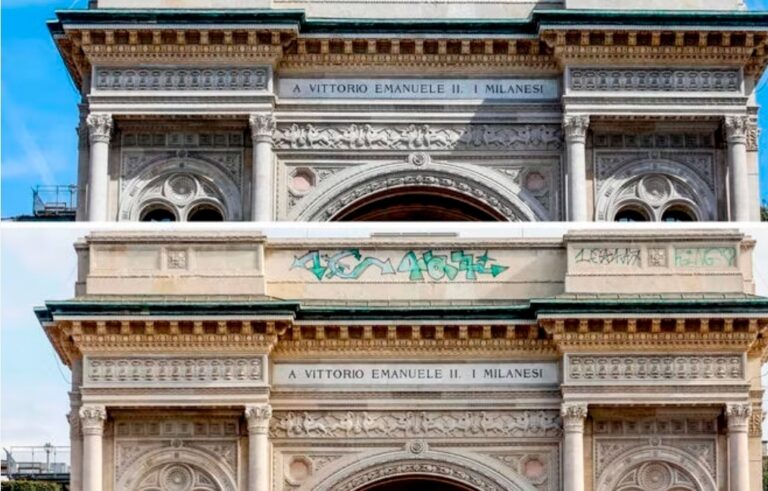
157, 213
678, 213
631, 214
205, 213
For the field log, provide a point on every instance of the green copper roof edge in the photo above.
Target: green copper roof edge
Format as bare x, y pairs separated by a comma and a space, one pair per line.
538, 19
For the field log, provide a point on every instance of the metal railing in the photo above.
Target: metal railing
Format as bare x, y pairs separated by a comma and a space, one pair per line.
31, 461
54, 201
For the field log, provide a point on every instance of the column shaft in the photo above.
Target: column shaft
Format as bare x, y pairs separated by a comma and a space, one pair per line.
258, 417
576, 136
738, 446
92, 424
262, 190
573, 446
99, 132
736, 134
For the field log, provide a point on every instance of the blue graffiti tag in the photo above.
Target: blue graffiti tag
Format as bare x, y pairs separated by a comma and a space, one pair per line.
349, 264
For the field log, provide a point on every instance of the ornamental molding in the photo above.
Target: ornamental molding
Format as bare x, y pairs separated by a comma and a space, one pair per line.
258, 417
152, 371
654, 80
263, 126
99, 127
736, 129
412, 424
575, 127
182, 79
585, 369
360, 136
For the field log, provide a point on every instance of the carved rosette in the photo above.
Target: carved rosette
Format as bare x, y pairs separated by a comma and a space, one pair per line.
258, 416
573, 415
92, 419
738, 415
736, 128
263, 127
99, 127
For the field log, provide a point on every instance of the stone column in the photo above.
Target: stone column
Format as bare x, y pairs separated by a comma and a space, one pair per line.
258, 416
736, 135
92, 424
575, 128
573, 415
262, 192
75, 452
99, 133
738, 445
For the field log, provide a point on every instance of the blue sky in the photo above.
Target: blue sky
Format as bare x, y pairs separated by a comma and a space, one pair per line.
39, 105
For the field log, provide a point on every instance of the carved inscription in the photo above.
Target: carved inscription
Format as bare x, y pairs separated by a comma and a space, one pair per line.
699, 257
142, 370
608, 256
404, 424
589, 368
182, 79
654, 80
415, 137
350, 264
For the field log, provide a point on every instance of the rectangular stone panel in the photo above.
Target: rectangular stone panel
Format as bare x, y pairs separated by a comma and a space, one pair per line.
181, 79
655, 369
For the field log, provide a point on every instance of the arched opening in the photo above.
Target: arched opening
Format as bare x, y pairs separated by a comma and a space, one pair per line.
678, 214
418, 204
205, 213
415, 484
631, 214
157, 213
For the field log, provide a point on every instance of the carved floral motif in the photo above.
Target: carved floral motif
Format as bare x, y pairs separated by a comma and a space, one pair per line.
654, 80
592, 368
182, 79
412, 137
399, 424
99, 127
576, 127
173, 370
263, 126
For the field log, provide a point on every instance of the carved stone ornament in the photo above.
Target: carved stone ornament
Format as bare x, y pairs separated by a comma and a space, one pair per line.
753, 136
576, 127
99, 127
74, 424
573, 415
258, 416
173, 371
263, 126
738, 415
404, 424
654, 80
736, 128
417, 137
419, 159
92, 419
182, 79
654, 368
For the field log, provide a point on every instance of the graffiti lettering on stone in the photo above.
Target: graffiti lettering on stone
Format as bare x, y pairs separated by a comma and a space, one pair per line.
350, 264
705, 257
609, 256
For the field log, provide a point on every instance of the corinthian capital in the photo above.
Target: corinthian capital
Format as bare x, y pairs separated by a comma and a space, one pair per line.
99, 127
736, 128
738, 415
575, 127
573, 415
92, 418
262, 126
74, 424
258, 416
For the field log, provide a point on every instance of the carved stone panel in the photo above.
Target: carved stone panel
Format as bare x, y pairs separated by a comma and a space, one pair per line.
654, 80
600, 369
181, 79
177, 371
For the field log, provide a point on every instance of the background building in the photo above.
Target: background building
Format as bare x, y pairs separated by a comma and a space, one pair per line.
519, 110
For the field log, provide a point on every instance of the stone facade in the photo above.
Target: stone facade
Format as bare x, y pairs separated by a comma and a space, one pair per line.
562, 113
597, 361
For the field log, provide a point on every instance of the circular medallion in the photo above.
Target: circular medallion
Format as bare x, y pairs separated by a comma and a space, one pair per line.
655, 189
177, 478
654, 476
180, 187
535, 181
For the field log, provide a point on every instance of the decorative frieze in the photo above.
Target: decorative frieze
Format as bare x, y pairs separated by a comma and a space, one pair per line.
180, 79
173, 371
654, 368
176, 428
654, 140
644, 426
654, 80
404, 424
219, 139
358, 136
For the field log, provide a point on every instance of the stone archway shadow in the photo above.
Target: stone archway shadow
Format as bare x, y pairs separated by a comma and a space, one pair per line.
457, 470
467, 181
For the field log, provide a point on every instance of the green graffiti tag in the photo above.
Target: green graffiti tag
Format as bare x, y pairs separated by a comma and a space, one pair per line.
349, 264
705, 257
